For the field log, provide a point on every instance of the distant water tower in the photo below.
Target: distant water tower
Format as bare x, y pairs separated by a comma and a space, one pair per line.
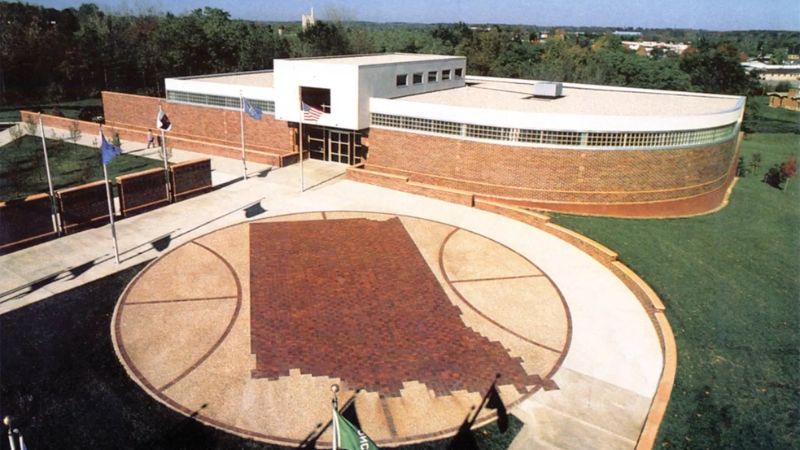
308, 20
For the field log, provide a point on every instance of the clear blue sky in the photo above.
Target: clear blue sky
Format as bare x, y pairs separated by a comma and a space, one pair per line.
705, 14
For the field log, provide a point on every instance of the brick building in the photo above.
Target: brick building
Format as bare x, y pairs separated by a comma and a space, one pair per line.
786, 100
419, 123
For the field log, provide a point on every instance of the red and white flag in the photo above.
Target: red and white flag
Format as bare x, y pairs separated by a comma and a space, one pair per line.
311, 113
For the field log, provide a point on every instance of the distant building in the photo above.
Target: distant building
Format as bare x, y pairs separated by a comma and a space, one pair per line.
774, 72
785, 100
628, 34
307, 20
648, 46
418, 123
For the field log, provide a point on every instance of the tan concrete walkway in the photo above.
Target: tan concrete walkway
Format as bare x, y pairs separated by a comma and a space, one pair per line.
612, 366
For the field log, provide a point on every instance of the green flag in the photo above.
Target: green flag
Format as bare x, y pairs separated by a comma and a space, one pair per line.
349, 437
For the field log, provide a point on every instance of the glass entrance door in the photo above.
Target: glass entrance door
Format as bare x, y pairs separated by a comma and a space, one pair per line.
316, 143
339, 147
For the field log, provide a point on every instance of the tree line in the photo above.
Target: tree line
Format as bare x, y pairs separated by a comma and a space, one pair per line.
50, 55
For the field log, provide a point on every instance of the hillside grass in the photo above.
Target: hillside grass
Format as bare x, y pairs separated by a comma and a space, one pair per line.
730, 282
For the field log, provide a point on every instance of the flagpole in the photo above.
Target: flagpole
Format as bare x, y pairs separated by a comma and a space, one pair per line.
11, 440
335, 422
7, 422
110, 208
164, 157
241, 122
53, 210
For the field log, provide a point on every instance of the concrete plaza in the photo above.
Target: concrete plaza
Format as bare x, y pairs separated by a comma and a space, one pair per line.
612, 363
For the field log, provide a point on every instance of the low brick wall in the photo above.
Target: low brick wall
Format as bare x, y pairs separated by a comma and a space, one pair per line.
86, 128
215, 131
190, 178
83, 206
25, 222
142, 191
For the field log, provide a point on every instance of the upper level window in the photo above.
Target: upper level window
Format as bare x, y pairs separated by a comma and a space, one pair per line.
417, 79
432, 76
316, 98
402, 80
446, 74
459, 72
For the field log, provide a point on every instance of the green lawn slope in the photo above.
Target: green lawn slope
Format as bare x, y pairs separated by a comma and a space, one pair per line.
731, 284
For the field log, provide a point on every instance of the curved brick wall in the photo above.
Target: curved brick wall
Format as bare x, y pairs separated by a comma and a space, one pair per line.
607, 182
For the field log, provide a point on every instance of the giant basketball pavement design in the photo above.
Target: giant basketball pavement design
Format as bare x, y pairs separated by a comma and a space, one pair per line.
246, 328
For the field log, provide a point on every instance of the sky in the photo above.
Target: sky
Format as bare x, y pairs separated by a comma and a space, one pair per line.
702, 14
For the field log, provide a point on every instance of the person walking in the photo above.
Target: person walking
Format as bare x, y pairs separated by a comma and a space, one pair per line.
151, 140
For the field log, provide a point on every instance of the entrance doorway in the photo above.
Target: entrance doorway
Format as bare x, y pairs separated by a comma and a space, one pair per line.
334, 145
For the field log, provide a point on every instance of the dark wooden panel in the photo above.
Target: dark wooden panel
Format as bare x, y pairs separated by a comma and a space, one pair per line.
190, 178
25, 221
142, 191
83, 206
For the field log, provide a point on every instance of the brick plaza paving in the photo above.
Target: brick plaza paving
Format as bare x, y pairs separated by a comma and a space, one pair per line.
419, 315
605, 367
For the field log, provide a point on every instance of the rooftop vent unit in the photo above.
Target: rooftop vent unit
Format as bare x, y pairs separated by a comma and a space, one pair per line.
547, 90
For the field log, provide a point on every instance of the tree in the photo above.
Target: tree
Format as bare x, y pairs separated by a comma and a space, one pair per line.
324, 39
717, 69
16, 135
74, 130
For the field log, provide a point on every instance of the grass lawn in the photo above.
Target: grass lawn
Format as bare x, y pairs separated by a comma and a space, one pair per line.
22, 170
774, 120
64, 385
731, 285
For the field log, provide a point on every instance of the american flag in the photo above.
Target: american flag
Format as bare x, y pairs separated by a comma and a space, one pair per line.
311, 113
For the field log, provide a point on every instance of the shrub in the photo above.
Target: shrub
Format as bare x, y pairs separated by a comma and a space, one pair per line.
788, 170
755, 162
783, 86
773, 177
741, 170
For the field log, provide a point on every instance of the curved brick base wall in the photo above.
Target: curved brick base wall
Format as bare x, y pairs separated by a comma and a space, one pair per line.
636, 183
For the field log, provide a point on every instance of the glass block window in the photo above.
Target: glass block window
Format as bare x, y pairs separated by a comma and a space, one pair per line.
219, 101
583, 139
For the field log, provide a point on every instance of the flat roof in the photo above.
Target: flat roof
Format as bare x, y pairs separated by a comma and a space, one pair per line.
378, 58
260, 78
509, 95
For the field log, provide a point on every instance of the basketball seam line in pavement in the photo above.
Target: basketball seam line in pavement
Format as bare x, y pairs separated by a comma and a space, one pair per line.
225, 333
178, 300
476, 310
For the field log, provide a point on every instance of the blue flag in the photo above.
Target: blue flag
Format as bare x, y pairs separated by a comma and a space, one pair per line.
107, 150
252, 111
